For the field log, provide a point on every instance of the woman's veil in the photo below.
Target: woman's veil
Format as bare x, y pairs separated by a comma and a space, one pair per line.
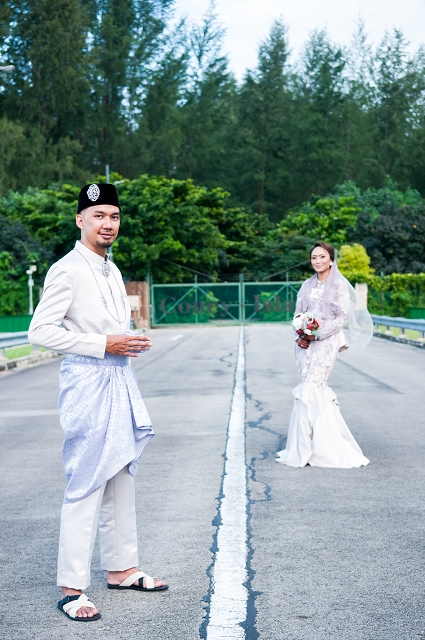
359, 328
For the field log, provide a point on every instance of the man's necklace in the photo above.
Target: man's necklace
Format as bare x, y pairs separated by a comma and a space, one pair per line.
106, 270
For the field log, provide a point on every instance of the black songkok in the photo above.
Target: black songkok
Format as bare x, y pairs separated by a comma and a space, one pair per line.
93, 194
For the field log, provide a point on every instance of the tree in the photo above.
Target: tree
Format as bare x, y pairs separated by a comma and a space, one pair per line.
329, 219
260, 163
317, 142
18, 249
208, 111
159, 133
398, 105
390, 225
168, 223
46, 94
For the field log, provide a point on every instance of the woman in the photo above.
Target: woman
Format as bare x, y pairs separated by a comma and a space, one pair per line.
317, 434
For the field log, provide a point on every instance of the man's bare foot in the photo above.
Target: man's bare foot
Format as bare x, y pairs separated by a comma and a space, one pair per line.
83, 612
116, 577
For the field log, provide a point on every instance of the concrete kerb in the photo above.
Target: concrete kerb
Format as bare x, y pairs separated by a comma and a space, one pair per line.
393, 338
36, 357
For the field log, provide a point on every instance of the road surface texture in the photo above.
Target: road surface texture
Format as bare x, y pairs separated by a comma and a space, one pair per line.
330, 553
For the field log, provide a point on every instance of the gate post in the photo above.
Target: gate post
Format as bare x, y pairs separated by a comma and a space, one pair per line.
139, 302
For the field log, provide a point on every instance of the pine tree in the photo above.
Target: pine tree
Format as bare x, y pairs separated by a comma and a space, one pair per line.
399, 111
317, 141
261, 162
47, 45
208, 109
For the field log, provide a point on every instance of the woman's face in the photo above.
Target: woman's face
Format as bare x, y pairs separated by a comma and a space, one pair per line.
320, 260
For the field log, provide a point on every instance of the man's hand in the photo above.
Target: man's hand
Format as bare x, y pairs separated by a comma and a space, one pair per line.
130, 346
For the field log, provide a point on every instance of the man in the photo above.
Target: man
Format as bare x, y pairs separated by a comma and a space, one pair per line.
84, 312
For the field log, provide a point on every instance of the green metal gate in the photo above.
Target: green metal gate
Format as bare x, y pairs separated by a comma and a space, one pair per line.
223, 303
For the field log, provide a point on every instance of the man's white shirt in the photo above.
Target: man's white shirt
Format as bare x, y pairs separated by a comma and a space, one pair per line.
71, 317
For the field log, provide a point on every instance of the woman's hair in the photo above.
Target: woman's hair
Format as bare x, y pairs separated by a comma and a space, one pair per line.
327, 247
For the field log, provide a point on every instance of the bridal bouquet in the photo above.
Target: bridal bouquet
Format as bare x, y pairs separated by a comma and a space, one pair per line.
305, 324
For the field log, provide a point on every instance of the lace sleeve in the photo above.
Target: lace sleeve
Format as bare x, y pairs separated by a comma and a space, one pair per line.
330, 327
299, 305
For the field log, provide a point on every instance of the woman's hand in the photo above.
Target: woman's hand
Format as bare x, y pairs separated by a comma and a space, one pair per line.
130, 346
304, 341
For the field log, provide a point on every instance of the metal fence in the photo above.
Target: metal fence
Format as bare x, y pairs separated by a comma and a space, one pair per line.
8, 340
14, 323
223, 303
399, 323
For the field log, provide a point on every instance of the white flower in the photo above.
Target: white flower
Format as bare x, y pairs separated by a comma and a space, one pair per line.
298, 321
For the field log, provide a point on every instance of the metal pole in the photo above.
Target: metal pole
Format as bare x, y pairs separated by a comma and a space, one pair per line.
287, 297
196, 297
30, 271
149, 280
242, 298
30, 285
109, 252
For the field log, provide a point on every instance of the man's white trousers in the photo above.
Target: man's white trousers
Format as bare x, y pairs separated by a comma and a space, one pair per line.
113, 507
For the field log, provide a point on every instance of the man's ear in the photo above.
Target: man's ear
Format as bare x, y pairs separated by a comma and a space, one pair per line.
79, 221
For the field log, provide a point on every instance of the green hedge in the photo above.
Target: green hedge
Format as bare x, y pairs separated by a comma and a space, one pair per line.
395, 294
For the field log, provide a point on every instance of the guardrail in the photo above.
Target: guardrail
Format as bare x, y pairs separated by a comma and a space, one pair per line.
8, 340
400, 323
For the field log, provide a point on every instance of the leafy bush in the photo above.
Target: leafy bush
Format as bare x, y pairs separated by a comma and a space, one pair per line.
393, 295
354, 263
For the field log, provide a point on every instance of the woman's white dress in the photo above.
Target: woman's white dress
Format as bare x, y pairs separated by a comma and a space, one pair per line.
317, 434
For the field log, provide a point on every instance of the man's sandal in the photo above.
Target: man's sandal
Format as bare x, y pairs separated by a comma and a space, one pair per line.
70, 605
139, 575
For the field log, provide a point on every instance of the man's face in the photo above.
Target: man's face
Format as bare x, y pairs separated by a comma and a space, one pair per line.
99, 225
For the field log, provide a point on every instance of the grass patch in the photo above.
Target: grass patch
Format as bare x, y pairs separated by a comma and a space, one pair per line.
20, 352
409, 333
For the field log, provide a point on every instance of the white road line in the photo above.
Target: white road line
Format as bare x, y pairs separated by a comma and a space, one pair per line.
229, 595
177, 337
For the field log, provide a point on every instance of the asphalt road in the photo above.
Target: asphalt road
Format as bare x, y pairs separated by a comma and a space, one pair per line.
331, 553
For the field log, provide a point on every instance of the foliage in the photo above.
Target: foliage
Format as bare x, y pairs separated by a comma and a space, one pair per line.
48, 217
395, 238
354, 263
390, 225
18, 249
281, 256
172, 228
11, 289
394, 294
119, 82
166, 222
328, 219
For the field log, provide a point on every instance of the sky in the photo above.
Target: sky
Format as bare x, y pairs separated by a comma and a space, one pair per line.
248, 22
